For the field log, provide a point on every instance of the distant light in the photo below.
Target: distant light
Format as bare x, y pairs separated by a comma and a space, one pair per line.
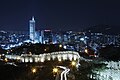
26, 59
3, 54
7, 52
82, 39
86, 51
42, 60
45, 49
18, 58
59, 60
55, 70
31, 60
48, 58
73, 63
6, 60
33, 18
86, 37
30, 53
47, 30
65, 47
34, 70
60, 46
54, 42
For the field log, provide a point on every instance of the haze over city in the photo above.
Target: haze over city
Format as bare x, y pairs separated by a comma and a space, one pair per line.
58, 15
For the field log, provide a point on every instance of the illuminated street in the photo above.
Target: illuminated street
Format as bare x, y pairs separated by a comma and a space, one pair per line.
64, 72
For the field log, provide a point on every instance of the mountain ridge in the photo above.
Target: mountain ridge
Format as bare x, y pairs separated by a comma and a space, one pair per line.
105, 29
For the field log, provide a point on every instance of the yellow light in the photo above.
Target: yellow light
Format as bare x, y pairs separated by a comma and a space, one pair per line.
45, 49
86, 51
73, 63
59, 60
6, 59
60, 45
34, 70
55, 70
18, 58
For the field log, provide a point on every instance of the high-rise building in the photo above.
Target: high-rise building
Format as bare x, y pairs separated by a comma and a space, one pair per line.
32, 29
46, 36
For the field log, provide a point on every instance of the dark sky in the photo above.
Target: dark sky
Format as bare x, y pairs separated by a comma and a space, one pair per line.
58, 14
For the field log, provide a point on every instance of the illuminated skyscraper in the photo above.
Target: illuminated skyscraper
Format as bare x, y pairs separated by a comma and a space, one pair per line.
32, 29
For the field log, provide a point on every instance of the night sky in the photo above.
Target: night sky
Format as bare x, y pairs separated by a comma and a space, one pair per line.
58, 14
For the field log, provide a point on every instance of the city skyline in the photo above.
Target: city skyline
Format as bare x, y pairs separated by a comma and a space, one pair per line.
58, 15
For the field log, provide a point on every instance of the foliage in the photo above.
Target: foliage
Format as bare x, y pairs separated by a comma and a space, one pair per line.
110, 53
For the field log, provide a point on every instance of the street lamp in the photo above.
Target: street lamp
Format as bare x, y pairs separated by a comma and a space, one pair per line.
60, 46
34, 70
6, 60
18, 58
73, 63
45, 49
0, 55
86, 51
55, 70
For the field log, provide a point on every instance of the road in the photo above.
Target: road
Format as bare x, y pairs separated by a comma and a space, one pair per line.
64, 72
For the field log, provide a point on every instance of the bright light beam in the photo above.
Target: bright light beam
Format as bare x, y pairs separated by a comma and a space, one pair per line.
66, 70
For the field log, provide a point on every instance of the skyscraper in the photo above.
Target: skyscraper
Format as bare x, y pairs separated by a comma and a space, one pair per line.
32, 29
46, 36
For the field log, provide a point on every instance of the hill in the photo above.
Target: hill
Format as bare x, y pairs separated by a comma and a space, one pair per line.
106, 29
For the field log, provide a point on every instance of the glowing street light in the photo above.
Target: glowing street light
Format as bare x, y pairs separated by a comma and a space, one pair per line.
86, 51
6, 60
18, 58
45, 49
60, 46
73, 63
34, 70
65, 47
55, 70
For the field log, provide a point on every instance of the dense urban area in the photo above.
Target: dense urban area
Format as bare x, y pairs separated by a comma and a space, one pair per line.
91, 54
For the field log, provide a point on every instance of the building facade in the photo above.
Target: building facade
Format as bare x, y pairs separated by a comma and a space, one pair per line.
32, 29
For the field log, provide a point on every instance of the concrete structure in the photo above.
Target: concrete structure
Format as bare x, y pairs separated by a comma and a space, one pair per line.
60, 56
46, 37
32, 29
